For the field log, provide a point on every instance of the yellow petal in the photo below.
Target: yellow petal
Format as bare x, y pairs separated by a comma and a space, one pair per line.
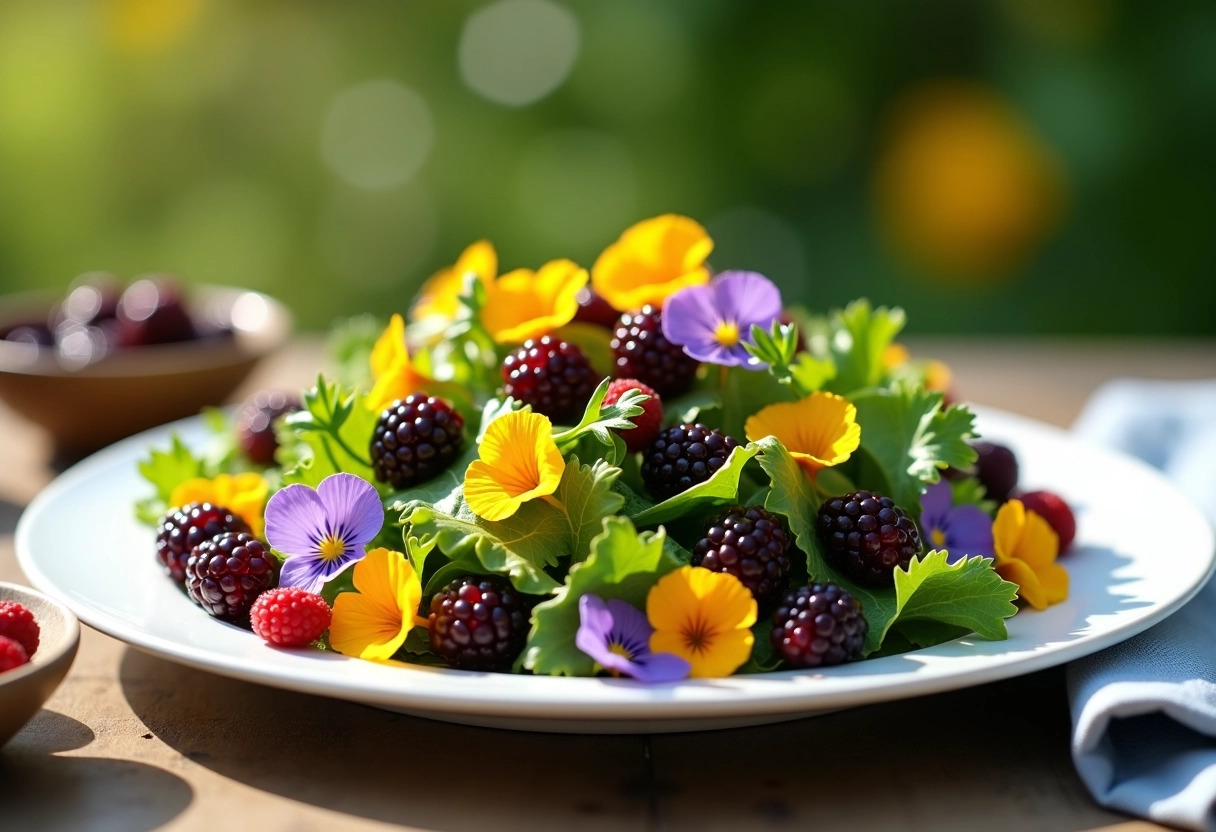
1039, 544
439, 296
519, 461
819, 431
1007, 529
672, 600
373, 622
717, 608
392, 369
389, 348
651, 261
523, 304
244, 495
1054, 579
1030, 589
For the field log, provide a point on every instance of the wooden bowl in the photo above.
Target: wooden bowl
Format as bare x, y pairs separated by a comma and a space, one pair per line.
24, 689
135, 389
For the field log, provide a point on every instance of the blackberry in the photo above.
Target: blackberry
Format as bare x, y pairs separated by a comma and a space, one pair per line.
750, 544
867, 536
683, 456
255, 423
478, 623
415, 439
642, 352
226, 574
593, 309
184, 528
552, 376
819, 625
996, 467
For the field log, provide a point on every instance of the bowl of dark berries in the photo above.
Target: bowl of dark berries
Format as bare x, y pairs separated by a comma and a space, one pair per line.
107, 360
38, 639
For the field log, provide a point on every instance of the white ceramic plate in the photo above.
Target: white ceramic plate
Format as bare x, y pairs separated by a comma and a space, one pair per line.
79, 541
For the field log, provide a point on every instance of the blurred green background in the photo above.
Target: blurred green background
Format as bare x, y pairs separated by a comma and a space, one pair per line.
1022, 166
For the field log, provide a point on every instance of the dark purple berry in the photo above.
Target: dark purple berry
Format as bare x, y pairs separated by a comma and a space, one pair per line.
552, 376
867, 537
226, 574
643, 353
415, 439
478, 623
997, 470
819, 625
151, 311
256, 420
682, 457
752, 545
186, 527
593, 309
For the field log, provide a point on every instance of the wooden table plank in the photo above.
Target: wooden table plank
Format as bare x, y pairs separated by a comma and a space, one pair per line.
131, 742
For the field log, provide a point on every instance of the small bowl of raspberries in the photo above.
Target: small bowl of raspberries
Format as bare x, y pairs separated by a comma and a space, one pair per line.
108, 359
38, 640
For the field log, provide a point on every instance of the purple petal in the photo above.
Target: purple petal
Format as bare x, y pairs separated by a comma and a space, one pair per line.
353, 511
630, 628
312, 573
935, 504
295, 520
661, 667
747, 298
690, 316
594, 619
968, 533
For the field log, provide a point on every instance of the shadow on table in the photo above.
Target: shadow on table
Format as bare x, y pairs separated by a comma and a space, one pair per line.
41, 790
387, 766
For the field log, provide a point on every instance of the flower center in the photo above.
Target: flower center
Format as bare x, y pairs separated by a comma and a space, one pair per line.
620, 650
727, 333
938, 537
332, 548
697, 635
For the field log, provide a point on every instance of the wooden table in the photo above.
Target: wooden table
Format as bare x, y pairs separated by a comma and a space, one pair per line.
132, 743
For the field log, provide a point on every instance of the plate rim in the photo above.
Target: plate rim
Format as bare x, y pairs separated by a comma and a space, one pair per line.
630, 701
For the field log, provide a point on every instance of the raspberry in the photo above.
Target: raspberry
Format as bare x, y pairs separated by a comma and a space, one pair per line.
552, 376
819, 625
997, 470
750, 544
867, 536
255, 423
644, 353
226, 574
683, 456
17, 623
593, 309
289, 616
184, 528
415, 439
12, 654
478, 623
1052, 508
647, 424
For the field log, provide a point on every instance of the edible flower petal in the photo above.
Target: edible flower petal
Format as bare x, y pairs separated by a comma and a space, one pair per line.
963, 531
518, 461
1026, 550
651, 261
617, 635
392, 369
703, 617
242, 494
819, 431
523, 304
373, 622
324, 531
712, 323
439, 297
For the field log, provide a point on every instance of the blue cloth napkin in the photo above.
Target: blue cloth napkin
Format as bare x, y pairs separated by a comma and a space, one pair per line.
1144, 711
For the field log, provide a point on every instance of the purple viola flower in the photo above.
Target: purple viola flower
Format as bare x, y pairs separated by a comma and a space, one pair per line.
963, 531
324, 531
617, 636
713, 322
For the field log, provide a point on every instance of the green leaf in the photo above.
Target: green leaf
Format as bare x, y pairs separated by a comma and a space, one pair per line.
859, 337
911, 438
720, 489
600, 420
166, 470
330, 435
746, 391
810, 374
587, 496
764, 658
969, 491
623, 564
967, 594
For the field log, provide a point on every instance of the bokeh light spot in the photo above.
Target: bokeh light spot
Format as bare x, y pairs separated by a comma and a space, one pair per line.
377, 134
516, 52
576, 188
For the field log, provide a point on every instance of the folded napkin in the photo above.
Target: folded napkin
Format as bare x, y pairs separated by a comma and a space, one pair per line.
1144, 711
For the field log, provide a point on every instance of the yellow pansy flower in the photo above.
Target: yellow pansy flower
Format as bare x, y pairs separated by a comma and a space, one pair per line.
524, 304
393, 372
243, 494
704, 618
651, 261
519, 461
373, 622
440, 296
1026, 551
818, 431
